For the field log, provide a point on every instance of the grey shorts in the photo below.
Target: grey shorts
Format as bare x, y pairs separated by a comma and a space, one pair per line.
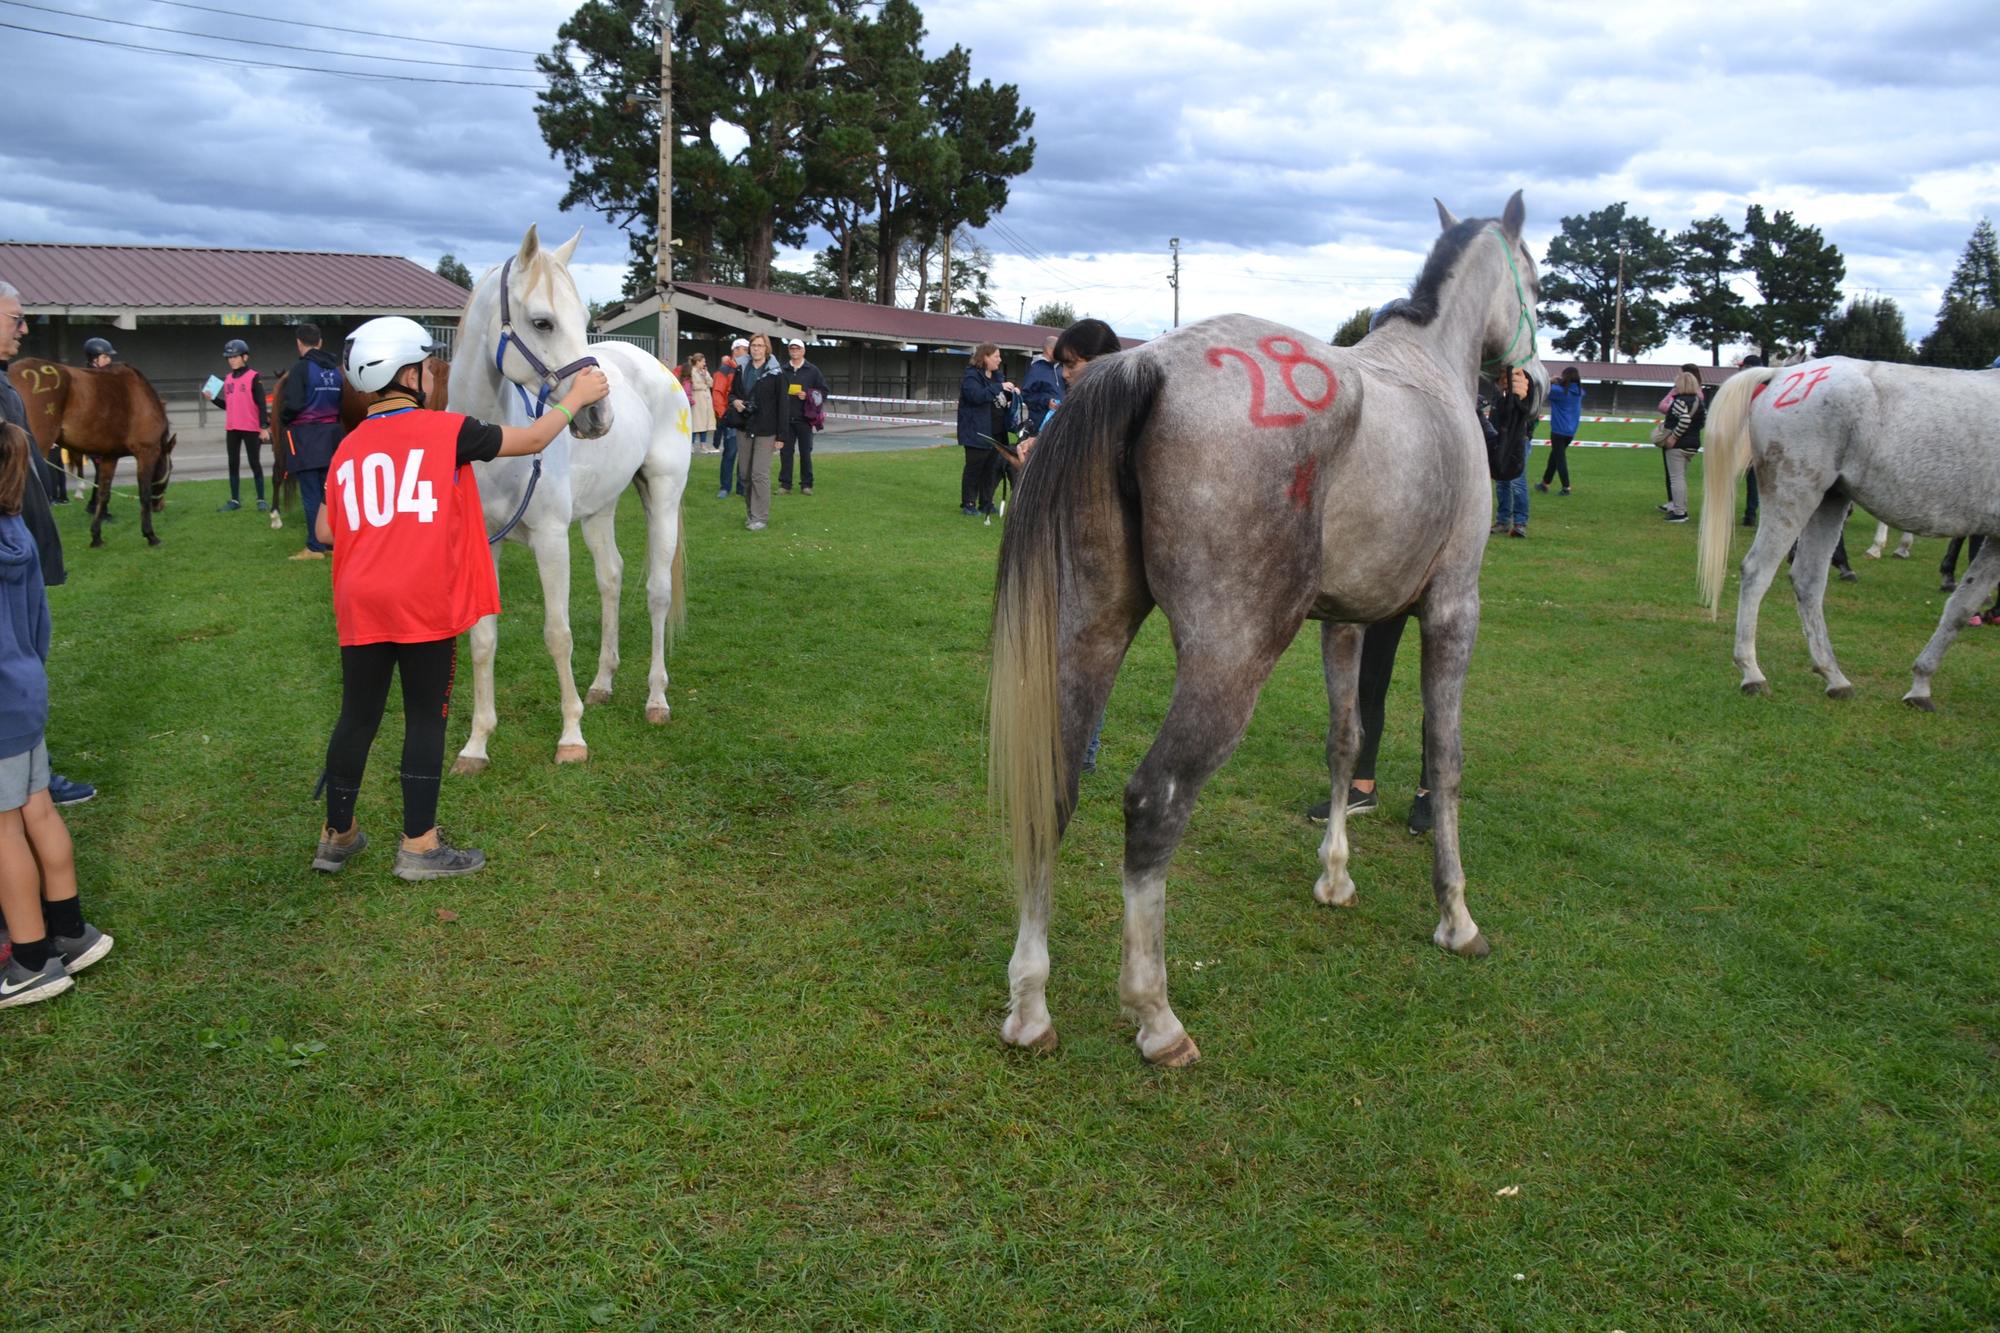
22, 775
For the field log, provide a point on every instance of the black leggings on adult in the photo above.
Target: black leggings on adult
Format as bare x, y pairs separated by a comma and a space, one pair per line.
427, 670
1558, 459
975, 483
1378, 664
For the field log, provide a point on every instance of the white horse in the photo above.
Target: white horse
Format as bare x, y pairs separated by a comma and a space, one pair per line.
523, 319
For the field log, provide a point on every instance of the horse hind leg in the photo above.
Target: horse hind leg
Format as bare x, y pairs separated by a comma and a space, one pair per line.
1785, 512
600, 536
147, 465
100, 500
666, 592
1809, 571
1981, 576
1340, 657
1214, 695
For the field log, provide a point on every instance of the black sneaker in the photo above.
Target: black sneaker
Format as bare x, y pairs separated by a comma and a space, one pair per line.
1676, 517
332, 855
1749, 520
81, 951
1421, 818
441, 862
1949, 585
1849, 576
1359, 802
19, 986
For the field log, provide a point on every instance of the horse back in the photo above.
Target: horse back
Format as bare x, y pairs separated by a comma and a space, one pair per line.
44, 389
111, 411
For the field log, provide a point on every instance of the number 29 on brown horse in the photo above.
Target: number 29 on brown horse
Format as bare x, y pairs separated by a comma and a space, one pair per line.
105, 415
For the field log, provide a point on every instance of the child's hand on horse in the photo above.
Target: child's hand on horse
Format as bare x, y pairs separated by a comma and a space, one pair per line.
588, 387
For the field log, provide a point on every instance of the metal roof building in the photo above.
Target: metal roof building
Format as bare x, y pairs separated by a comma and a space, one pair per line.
118, 284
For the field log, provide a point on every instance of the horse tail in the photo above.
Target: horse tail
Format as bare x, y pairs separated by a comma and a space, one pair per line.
1728, 449
1071, 498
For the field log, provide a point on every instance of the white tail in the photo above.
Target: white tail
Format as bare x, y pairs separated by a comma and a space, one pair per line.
1727, 444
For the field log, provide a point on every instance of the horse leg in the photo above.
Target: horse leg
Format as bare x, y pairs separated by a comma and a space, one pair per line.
1902, 551
1980, 578
599, 536
1450, 625
665, 565
146, 463
1340, 658
1785, 511
101, 500
1809, 569
1215, 688
1874, 551
550, 544
1109, 604
485, 640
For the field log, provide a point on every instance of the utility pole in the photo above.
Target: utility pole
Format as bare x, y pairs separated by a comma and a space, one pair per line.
1618, 309
663, 255
1174, 279
1022, 318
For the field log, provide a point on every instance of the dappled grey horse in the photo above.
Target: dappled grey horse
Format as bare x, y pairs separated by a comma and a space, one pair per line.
1244, 477
1915, 446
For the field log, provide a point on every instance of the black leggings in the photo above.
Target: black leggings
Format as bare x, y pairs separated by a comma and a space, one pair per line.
1558, 459
427, 670
240, 441
1378, 664
975, 483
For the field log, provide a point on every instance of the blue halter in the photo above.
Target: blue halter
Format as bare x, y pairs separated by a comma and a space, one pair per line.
551, 379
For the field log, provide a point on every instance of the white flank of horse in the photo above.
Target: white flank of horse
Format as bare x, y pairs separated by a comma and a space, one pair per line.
643, 437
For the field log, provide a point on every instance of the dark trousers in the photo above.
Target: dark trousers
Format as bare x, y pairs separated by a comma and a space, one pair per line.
1558, 459
726, 436
1378, 664
1948, 569
427, 670
240, 442
312, 494
798, 440
975, 483
1750, 493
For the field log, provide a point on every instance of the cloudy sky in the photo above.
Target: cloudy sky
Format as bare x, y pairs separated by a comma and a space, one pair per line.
1294, 148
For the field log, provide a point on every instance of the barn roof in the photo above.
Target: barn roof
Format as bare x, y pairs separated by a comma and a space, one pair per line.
173, 280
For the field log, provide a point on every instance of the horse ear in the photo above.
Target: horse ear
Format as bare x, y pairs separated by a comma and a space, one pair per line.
1513, 216
567, 248
1445, 220
531, 245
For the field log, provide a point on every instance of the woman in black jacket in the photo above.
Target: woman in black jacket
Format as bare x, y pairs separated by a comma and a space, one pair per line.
982, 390
760, 393
1685, 419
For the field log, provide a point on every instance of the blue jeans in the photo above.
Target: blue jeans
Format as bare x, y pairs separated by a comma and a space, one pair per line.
312, 493
727, 434
1510, 498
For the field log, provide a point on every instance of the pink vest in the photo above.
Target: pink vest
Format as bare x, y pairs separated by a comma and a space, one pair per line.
239, 400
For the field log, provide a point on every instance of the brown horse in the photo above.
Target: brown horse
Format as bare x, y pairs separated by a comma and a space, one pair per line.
353, 406
105, 414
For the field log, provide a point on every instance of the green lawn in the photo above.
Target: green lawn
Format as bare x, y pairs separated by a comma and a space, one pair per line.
715, 1039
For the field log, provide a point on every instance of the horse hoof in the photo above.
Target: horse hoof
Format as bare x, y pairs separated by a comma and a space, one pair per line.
1042, 1043
276, 522
657, 714
1476, 947
572, 754
1755, 687
1177, 1056
468, 766
96, 542
152, 541
1921, 702
1840, 692
596, 696
1335, 895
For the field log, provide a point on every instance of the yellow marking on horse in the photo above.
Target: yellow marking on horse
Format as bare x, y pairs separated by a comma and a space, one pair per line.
684, 421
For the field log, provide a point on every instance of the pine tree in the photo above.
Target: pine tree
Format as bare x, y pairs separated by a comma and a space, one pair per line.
1053, 315
1580, 284
1976, 280
1354, 328
1871, 328
1711, 313
1798, 275
451, 270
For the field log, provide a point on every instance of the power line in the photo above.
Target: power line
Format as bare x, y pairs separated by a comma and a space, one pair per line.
357, 32
252, 41
269, 64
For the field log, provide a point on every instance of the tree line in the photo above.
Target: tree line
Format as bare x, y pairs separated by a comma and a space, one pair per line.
848, 127
1683, 285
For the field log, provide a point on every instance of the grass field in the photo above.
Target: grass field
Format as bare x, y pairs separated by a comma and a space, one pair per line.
714, 1041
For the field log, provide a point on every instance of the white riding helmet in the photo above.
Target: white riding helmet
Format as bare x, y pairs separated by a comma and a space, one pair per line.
381, 347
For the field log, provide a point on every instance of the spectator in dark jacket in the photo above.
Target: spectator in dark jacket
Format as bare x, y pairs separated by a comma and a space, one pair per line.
982, 388
310, 416
1041, 387
802, 379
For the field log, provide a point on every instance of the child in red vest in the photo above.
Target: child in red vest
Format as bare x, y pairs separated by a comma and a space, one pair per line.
411, 572
246, 419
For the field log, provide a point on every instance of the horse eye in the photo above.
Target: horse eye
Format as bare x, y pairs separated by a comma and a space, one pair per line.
544, 325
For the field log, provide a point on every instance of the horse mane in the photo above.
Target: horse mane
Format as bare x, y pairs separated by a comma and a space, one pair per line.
1421, 307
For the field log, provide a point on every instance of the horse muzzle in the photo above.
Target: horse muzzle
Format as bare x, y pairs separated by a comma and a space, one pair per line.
593, 422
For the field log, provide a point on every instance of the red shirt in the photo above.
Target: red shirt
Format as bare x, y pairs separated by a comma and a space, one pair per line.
410, 560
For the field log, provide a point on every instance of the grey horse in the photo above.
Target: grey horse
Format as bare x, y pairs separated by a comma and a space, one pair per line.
1244, 477
1915, 446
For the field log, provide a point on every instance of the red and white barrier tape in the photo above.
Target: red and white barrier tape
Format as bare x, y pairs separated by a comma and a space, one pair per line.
907, 402
899, 421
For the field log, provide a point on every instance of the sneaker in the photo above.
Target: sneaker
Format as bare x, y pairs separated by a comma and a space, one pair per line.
1749, 520
1496, 529
1563, 491
80, 952
755, 527
441, 862
1542, 486
1359, 802
805, 490
1421, 818
1665, 509
64, 791
1676, 518
1849, 576
332, 855
1517, 531
784, 490
229, 506
722, 495
307, 553
19, 986
968, 511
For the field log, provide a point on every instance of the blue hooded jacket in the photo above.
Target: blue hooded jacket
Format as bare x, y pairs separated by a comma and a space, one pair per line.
1565, 408
24, 641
